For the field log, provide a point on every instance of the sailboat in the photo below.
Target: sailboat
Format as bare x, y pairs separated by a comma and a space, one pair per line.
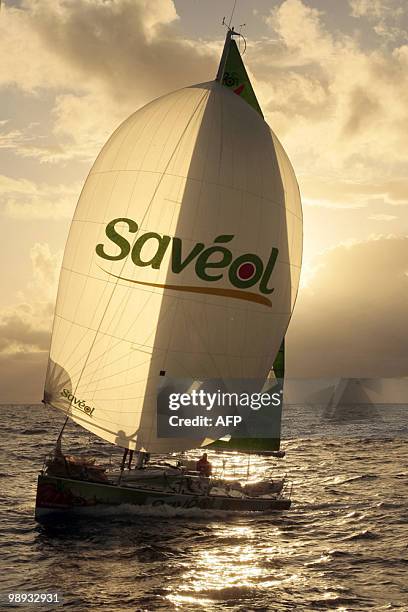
353, 401
183, 260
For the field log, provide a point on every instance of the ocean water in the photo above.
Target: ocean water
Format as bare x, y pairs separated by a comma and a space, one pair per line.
342, 546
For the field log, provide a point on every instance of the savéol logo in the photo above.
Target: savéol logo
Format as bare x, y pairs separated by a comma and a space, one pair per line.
211, 263
77, 403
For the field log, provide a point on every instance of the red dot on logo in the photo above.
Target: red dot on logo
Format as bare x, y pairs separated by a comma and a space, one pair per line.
246, 270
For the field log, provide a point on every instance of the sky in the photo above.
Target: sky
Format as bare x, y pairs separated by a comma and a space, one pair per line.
332, 79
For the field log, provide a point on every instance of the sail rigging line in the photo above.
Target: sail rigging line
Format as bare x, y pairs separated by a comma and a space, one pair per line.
232, 13
239, 40
204, 96
105, 429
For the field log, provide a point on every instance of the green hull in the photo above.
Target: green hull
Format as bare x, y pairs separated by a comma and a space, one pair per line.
56, 494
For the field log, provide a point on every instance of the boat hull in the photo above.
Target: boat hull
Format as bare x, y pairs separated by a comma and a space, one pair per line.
56, 494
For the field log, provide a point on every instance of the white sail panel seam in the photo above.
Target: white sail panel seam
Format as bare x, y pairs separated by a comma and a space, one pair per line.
208, 182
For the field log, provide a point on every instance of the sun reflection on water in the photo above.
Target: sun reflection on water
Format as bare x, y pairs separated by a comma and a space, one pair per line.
235, 567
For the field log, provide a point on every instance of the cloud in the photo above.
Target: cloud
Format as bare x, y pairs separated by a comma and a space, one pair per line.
363, 108
25, 328
26, 200
340, 109
381, 217
105, 59
386, 16
26, 61
330, 204
337, 192
77, 127
132, 47
101, 61
19, 331
369, 8
25, 143
300, 29
41, 147
83, 123
46, 267
351, 319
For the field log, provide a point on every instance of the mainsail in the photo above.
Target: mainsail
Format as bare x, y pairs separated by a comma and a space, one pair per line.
183, 260
232, 74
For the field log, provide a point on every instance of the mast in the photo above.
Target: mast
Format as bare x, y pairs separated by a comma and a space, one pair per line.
224, 56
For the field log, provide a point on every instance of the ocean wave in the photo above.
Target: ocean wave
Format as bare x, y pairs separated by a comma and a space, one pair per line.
391, 505
367, 534
328, 505
336, 553
34, 431
355, 479
228, 593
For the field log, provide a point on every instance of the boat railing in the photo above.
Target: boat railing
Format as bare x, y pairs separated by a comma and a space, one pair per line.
287, 489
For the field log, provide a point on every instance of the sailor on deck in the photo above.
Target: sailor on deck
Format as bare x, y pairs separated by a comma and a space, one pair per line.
204, 466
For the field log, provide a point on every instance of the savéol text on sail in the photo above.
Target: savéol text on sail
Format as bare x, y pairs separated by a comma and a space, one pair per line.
211, 262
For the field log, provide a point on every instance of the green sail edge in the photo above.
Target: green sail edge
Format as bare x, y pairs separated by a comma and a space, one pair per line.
235, 77
232, 74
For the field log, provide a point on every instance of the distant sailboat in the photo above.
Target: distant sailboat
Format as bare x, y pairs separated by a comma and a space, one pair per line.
183, 260
352, 402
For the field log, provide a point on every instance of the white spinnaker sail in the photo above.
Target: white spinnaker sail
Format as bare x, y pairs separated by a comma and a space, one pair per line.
193, 165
